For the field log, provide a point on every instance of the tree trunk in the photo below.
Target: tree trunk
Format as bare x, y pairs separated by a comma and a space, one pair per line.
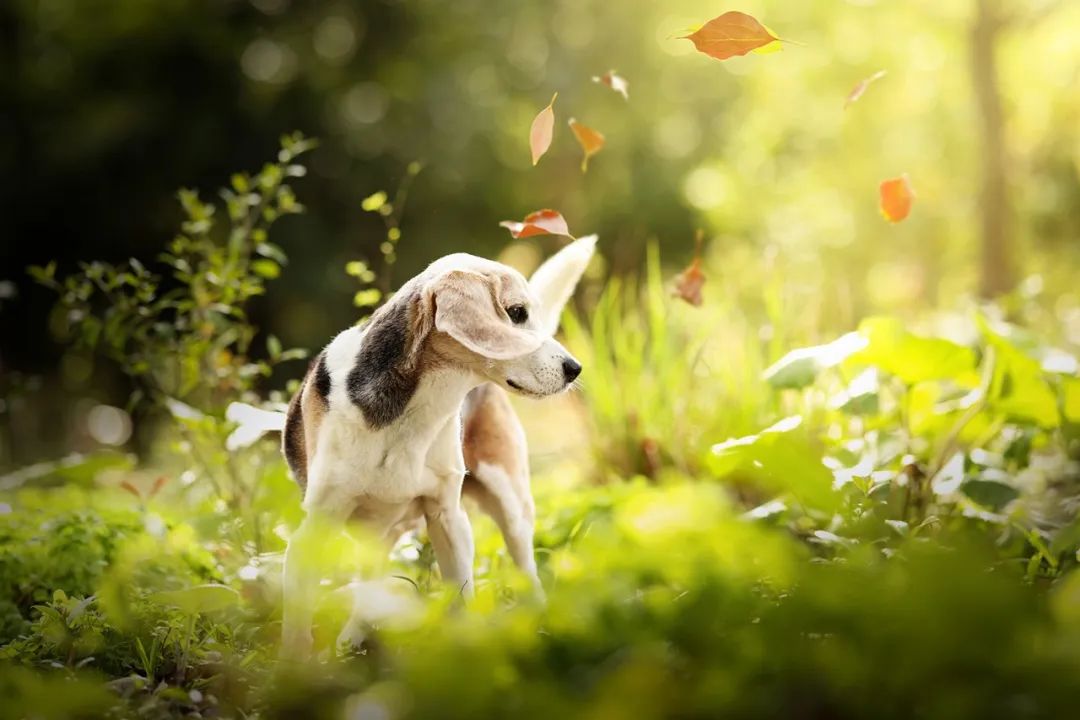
997, 273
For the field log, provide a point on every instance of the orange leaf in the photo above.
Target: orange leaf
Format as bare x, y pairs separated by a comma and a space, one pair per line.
688, 283
543, 127
615, 82
591, 141
896, 198
541, 222
860, 87
733, 33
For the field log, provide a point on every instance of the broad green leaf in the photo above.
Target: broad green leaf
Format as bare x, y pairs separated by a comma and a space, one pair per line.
1070, 389
860, 397
912, 358
801, 367
990, 493
782, 459
1019, 388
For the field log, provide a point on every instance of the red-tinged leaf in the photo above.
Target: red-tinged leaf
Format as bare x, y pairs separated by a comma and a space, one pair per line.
615, 82
860, 87
543, 127
126, 485
591, 141
688, 283
733, 33
897, 196
541, 222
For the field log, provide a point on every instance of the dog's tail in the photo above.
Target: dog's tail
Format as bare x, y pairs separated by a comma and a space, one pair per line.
252, 424
553, 282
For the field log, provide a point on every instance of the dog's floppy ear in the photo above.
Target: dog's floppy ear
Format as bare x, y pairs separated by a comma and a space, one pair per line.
466, 309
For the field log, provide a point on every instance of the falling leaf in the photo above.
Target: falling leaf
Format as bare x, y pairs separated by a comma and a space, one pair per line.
615, 82
591, 141
860, 87
896, 198
158, 485
688, 283
126, 485
541, 222
733, 33
543, 126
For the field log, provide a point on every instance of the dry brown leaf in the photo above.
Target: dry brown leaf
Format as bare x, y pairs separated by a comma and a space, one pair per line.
615, 82
591, 141
860, 87
733, 33
158, 485
541, 222
542, 130
688, 283
897, 196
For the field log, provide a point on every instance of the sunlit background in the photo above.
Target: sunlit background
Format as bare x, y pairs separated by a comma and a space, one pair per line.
846, 483
108, 107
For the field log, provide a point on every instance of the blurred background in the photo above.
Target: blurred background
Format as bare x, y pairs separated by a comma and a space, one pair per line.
107, 107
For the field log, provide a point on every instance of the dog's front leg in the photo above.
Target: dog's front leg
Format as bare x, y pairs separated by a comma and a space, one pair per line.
303, 573
451, 538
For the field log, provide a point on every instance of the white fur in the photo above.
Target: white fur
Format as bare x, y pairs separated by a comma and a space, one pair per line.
390, 476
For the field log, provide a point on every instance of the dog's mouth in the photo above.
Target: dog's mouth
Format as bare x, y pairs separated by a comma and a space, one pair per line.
523, 390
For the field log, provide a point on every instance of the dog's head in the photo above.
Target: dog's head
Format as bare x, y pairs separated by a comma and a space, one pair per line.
483, 316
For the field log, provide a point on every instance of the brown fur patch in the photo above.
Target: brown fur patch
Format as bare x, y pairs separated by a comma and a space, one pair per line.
304, 418
492, 432
293, 446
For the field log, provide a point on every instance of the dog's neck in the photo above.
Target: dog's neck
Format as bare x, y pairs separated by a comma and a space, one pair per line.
441, 394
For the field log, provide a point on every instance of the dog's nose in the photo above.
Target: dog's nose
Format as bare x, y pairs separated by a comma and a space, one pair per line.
571, 368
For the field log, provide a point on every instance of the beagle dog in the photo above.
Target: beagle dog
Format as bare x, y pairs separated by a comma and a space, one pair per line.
398, 417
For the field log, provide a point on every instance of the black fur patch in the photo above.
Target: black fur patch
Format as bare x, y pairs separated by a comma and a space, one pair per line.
379, 383
322, 379
292, 439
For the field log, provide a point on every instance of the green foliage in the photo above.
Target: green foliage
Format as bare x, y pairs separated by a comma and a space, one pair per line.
659, 374
376, 284
188, 338
921, 436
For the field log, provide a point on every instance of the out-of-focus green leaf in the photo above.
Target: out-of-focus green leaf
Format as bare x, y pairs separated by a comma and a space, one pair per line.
266, 268
1019, 388
781, 459
860, 397
374, 202
1070, 389
75, 469
801, 367
912, 358
207, 598
990, 493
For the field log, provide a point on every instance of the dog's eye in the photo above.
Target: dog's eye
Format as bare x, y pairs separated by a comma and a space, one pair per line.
518, 314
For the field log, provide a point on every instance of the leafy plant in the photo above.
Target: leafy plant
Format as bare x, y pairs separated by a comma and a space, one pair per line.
924, 436
376, 282
188, 338
663, 379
